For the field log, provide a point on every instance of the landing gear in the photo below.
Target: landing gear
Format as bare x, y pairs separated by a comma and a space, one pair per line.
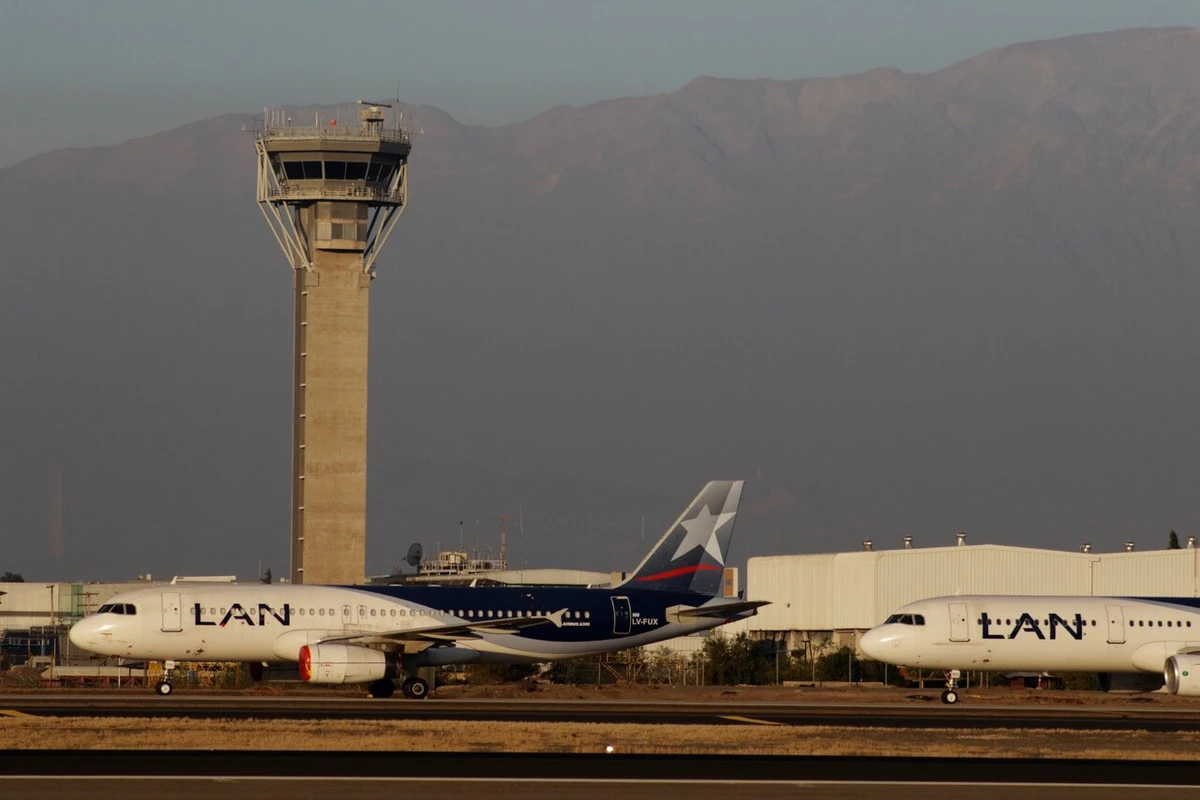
415, 688
164, 687
381, 688
950, 697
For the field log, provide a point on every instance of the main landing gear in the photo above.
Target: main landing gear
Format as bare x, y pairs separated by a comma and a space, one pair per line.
950, 697
164, 687
413, 688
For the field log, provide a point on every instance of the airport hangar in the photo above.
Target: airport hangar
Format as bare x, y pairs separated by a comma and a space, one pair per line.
824, 601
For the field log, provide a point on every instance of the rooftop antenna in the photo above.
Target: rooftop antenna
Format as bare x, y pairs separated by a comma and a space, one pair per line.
504, 541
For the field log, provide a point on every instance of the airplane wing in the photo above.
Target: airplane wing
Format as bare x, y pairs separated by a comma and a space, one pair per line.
715, 611
440, 634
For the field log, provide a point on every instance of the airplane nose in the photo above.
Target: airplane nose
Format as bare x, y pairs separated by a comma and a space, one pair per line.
81, 633
872, 644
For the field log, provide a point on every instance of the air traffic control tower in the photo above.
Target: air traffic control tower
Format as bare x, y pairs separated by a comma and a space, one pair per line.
332, 193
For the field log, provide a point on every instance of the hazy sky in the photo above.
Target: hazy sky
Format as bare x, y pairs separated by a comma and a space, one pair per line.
78, 73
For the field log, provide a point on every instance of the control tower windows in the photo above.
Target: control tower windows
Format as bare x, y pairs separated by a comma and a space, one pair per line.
356, 170
312, 170
294, 170
335, 170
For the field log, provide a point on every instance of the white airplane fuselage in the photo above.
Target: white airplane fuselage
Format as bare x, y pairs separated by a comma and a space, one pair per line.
261, 623
1041, 633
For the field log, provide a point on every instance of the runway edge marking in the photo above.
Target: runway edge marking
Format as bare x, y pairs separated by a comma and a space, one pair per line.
750, 720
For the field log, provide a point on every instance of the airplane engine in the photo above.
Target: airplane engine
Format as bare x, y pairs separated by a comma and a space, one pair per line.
1182, 673
340, 663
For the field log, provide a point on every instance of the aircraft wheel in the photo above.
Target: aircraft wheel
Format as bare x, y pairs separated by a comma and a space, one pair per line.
949, 697
416, 688
163, 688
382, 688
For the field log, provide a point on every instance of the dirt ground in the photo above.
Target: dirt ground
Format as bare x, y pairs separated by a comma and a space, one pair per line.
435, 735
15, 682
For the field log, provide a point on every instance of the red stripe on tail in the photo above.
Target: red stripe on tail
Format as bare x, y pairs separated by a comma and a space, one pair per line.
662, 576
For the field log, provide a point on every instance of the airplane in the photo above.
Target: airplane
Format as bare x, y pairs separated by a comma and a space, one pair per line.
373, 633
1141, 641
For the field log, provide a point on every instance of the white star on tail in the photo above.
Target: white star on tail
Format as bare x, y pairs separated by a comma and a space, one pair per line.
702, 532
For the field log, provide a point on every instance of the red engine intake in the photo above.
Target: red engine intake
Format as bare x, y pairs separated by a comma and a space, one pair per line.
340, 663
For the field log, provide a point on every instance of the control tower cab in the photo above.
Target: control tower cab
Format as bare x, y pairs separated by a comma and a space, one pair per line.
332, 193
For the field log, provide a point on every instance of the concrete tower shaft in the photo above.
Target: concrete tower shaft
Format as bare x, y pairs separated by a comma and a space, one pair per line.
332, 195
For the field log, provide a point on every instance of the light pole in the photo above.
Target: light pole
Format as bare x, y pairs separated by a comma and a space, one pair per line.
54, 633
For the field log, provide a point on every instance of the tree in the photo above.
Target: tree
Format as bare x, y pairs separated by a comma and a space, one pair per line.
1173, 542
11, 577
266, 576
738, 660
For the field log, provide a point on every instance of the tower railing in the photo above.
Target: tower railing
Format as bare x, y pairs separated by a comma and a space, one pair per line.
291, 191
348, 133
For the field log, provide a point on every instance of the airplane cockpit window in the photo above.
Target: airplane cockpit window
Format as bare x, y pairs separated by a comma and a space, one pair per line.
905, 619
918, 619
105, 609
130, 609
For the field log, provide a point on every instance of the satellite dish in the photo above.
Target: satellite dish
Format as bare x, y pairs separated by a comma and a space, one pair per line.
414, 554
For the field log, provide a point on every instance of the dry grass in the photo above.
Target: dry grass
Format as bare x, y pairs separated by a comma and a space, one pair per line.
409, 735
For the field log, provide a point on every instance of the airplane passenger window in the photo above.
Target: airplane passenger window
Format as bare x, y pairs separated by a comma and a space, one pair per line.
300, 611
489, 612
322, 612
1168, 623
587, 615
372, 612
222, 610
1140, 623
1160, 623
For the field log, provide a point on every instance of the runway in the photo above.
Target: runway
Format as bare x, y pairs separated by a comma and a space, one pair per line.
887, 715
183, 775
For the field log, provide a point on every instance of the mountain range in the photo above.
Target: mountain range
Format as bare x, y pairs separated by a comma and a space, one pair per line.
895, 303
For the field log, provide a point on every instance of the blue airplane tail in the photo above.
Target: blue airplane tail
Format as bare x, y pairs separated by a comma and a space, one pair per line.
690, 557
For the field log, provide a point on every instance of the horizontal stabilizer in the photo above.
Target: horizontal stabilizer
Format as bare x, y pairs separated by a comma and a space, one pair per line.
715, 611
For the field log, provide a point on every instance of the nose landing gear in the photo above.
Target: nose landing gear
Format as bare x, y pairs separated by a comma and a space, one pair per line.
164, 687
950, 697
